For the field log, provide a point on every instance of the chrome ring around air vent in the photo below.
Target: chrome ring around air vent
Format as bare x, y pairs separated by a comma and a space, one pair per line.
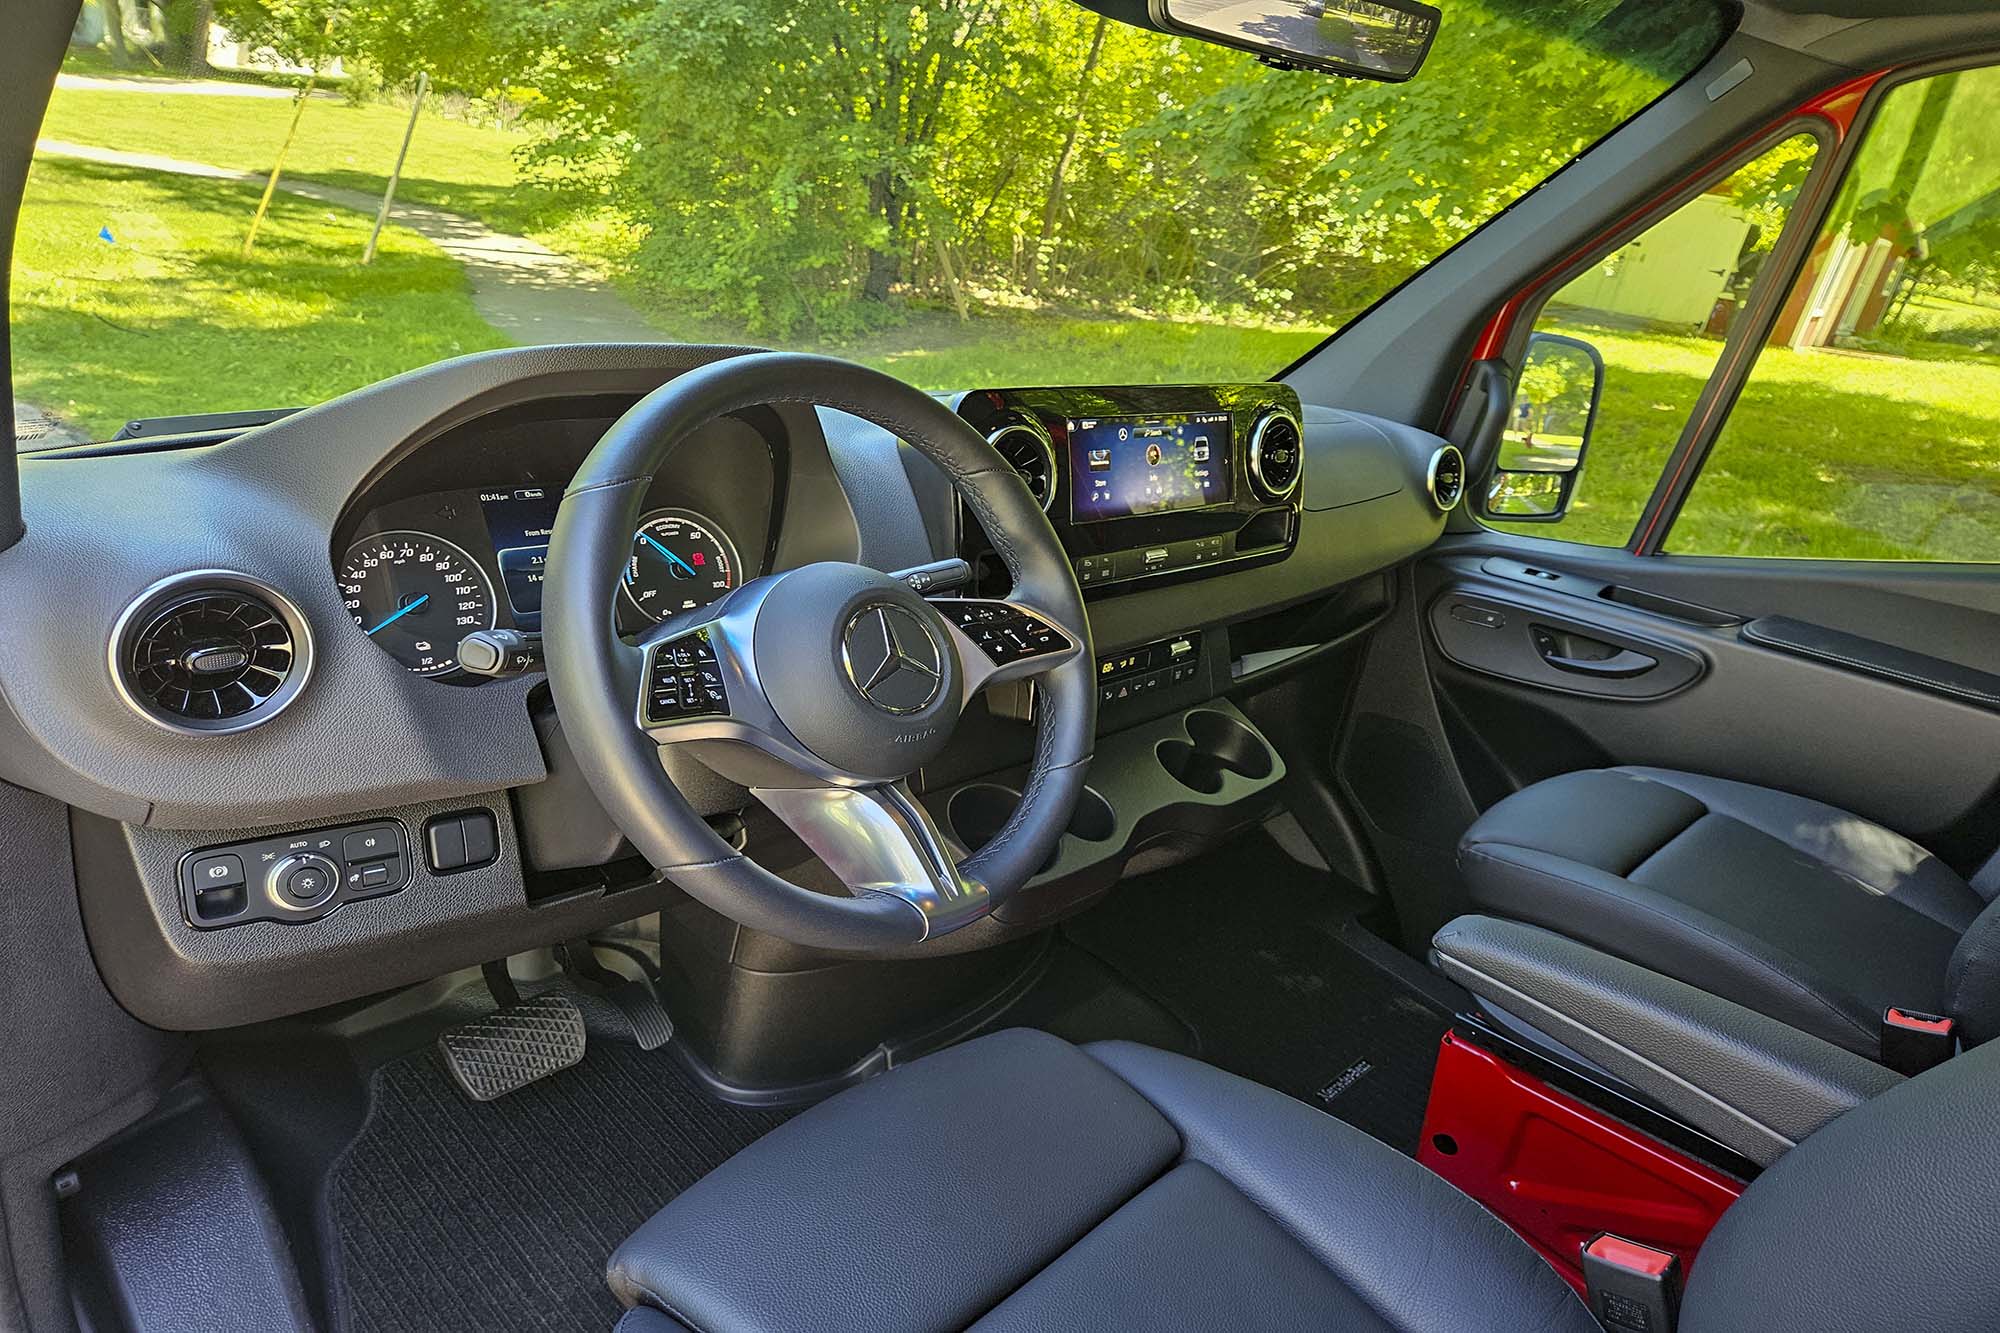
210, 651
1276, 457
1027, 449
1444, 478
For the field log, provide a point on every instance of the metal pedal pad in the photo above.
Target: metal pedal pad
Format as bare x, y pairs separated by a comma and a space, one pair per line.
506, 1051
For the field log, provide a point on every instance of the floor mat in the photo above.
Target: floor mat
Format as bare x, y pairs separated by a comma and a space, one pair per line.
1245, 947
455, 1215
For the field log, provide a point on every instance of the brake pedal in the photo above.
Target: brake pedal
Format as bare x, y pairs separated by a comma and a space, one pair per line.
506, 1051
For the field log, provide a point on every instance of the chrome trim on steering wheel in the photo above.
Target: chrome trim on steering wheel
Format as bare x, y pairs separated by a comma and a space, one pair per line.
879, 839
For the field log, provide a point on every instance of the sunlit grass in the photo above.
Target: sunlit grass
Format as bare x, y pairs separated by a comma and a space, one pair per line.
453, 165
1828, 454
165, 317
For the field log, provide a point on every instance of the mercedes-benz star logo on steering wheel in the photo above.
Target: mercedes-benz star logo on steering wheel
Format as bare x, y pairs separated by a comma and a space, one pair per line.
893, 658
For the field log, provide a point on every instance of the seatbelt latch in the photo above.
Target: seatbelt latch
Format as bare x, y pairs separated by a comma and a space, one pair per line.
1633, 1288
1913, 1042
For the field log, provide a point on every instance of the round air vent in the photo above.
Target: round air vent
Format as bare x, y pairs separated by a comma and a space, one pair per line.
210, 651
1030, 452
1277, 453
1445, 478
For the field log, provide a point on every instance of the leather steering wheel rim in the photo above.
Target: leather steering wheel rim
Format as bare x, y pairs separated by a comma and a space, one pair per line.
595, 675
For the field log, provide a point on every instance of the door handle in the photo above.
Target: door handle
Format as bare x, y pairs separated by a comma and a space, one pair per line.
1583, 656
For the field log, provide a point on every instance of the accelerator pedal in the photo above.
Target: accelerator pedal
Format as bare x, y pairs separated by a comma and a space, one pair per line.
634, 999
507, 1050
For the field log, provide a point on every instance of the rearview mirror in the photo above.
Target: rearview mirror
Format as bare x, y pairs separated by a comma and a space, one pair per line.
1368, 39
1548, 430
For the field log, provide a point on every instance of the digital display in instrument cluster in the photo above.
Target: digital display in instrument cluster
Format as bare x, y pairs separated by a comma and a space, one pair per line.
1121, 466
520, 522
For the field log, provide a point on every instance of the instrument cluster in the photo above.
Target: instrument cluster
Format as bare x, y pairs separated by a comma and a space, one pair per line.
420, 568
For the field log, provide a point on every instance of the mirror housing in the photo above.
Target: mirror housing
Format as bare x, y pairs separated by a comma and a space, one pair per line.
1385, 40
1547, 431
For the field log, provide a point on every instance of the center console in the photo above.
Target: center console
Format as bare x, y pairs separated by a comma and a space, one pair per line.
1155, 482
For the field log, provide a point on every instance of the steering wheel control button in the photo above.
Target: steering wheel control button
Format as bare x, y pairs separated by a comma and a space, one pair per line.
465, 840
292, 877
892, 658
1004, 632
683, 680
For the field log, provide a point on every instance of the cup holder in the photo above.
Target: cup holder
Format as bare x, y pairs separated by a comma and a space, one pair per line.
1217, 745
978, 813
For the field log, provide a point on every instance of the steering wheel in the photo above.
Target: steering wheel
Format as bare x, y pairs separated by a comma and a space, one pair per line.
822, 688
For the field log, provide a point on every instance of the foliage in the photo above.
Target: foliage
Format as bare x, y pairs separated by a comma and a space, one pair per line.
789, 166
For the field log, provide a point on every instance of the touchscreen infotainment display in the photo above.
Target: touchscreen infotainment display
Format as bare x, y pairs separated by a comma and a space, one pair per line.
1121, 466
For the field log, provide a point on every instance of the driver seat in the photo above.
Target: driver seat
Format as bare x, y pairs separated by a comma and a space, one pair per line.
1020, 1182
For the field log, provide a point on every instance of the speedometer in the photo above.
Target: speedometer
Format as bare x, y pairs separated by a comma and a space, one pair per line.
679, 561
416, 595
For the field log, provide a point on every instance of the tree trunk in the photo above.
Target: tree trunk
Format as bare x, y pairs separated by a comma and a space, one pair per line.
885, 262
197, 52
114, 29
1052, 206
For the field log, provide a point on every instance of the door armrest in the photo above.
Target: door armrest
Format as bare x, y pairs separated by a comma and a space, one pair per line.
1750, 1082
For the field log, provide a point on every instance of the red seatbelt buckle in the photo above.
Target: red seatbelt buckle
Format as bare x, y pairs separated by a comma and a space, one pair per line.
1913, 1042
1633, 1288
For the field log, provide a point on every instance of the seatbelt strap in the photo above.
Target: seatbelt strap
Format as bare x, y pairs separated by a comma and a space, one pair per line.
1633, 1288
1913, 1041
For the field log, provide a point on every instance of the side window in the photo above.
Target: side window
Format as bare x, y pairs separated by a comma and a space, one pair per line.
1869, 428
1623, 350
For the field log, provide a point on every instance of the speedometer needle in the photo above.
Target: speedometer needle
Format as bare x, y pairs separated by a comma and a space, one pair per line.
404, 612
671, 558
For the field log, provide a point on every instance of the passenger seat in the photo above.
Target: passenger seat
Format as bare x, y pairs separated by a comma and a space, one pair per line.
1795, 909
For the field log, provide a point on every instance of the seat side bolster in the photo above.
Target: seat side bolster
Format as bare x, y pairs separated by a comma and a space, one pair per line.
1332, 1187
1750, 1082
1632, 922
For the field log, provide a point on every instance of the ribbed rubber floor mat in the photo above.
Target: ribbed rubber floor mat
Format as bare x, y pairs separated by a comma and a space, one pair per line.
454, 1215
1244, 947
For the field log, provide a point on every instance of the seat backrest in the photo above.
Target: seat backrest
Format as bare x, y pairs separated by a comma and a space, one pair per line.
1972, 978
1887, 1219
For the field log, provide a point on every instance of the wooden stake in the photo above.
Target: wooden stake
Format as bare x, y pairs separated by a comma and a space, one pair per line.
389, 195
278, 167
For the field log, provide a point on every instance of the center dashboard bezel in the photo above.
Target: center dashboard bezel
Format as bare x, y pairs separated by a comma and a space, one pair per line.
1250, 527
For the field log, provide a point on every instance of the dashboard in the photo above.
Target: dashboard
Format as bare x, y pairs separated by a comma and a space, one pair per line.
324, 567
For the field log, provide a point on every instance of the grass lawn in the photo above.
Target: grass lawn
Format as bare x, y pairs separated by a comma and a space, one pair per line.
1829, 454
465, 168
166, 317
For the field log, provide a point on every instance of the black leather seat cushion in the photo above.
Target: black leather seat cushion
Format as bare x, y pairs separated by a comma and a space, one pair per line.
1020, 1182
1796, 909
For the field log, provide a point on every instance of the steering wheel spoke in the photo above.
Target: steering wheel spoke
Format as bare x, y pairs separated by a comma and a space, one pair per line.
879, 840
1000, 640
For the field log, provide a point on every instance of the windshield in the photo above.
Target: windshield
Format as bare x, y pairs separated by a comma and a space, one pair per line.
961, 192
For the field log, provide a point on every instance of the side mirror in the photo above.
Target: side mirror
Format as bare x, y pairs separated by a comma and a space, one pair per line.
1547, 431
